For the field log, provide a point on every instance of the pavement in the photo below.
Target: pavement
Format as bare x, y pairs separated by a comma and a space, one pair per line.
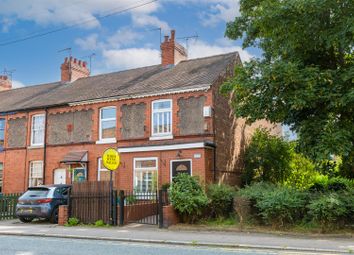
137, 233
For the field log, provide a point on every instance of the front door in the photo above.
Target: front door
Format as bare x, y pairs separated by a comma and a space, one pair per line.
60, 176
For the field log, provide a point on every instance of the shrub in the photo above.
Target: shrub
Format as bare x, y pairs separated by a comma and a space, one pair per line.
220, 200
282, 206
323, 184
100, 223
255, 191
267, 158
339, 183
303, 173
165, 186
72, 222
327, 210
188, 197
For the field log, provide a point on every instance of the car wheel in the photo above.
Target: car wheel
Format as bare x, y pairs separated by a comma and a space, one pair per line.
55, 215
26, 219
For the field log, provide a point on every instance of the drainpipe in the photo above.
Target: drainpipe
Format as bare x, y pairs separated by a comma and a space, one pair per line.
214, 163
45, 143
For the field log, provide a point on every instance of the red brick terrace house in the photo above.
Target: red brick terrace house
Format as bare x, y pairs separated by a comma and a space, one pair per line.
164, 119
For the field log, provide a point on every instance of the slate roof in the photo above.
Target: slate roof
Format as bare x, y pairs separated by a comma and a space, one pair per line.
187, 74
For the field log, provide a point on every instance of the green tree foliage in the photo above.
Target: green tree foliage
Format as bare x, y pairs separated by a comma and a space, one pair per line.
267, 158
188, 197
302, 173
305, 77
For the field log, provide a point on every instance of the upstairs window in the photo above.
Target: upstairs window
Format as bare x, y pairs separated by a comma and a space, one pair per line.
37, 133
108, 124
162, 118
2, 134
35, 174
1, 172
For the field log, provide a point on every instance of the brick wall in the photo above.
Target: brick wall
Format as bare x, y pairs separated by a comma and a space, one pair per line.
63, 216
232, 134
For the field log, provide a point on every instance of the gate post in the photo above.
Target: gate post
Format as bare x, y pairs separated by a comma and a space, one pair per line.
121, 208
69, 203
114, 204
160, 208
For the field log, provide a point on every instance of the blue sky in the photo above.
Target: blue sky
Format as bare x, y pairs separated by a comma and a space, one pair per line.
122, 41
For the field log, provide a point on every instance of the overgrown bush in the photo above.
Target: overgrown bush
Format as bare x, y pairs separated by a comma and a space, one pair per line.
303, 173
328, 210
220, 200
100, 223
255, 191
188, 197
282, 206
267, 158
72, 222
324, 184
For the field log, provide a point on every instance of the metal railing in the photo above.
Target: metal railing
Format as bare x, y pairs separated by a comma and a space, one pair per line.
8, 204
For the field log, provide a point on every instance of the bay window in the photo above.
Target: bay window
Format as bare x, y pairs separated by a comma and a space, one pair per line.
108, 124
35, 173
37, 130
162, 118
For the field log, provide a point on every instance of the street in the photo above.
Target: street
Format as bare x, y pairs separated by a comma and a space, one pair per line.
14, 245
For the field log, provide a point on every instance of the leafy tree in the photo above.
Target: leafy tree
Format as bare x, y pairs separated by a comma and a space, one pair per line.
267, 158
305, 77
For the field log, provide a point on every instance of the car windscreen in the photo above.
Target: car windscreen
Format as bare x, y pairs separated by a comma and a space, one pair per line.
35, 193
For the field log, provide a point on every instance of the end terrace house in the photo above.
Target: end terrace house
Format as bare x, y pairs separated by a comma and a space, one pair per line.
164, 120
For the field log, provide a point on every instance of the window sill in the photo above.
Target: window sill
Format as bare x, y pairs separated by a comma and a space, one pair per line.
35, 147
165, 137
110, 141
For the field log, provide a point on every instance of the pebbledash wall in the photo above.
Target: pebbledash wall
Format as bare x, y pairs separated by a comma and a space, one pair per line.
214, 143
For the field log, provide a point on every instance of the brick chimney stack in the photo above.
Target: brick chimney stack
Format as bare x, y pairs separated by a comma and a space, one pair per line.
172, 52
73, 69
5, 83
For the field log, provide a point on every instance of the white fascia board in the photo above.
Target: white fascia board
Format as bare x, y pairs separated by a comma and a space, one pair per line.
118, 98
163, 147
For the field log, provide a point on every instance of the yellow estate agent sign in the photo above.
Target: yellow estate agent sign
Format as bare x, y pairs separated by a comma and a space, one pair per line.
111, 159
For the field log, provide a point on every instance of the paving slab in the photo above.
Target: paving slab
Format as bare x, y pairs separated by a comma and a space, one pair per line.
152, 234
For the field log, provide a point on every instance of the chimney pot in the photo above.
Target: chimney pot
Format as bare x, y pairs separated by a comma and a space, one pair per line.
172, 52
5, 83
73, 69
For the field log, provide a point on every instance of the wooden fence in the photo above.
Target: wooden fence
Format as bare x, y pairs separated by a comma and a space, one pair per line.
8, 206
90, 201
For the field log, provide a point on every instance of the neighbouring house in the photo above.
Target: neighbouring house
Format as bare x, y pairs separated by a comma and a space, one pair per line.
164, 119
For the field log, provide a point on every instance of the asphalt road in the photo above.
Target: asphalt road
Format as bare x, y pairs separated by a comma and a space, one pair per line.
14, 245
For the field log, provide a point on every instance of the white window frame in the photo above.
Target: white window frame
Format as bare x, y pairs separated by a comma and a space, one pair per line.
99, 169
107, 140
177, 160
145, 168
160, 135
32, 129
30, 172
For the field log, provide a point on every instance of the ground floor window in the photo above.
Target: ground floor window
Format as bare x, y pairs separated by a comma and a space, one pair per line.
79, 174
145, 174
103, 173
36, 173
